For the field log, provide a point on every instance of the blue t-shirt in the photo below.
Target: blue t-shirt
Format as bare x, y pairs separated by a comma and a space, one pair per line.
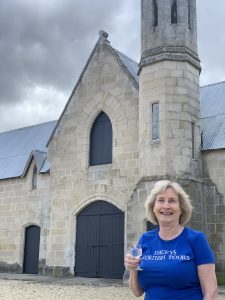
170, 266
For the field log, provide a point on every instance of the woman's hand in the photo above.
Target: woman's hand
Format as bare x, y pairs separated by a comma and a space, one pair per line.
131, 263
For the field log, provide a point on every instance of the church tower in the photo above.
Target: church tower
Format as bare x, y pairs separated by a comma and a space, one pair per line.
169, 130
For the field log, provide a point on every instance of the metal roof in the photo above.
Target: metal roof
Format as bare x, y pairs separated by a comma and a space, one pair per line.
212, 109
130, 64
19, 146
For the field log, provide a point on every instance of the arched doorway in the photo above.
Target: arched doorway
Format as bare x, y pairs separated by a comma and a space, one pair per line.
100, 241
31, 249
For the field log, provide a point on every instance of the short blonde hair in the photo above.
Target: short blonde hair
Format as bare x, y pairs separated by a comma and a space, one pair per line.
160, 187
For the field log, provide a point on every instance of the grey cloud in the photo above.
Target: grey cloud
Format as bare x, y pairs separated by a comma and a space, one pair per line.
211, 41
46, 43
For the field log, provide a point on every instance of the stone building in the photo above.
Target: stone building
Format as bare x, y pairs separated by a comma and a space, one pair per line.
72, 191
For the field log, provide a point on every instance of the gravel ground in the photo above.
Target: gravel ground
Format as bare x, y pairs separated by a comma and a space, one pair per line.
23, 290
31, 290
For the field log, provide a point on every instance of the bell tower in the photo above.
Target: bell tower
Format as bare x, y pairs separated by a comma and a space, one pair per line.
169, 128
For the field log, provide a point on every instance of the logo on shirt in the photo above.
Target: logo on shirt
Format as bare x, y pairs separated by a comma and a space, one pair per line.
166, 255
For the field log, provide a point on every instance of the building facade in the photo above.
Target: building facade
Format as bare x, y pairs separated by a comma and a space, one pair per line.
72, 194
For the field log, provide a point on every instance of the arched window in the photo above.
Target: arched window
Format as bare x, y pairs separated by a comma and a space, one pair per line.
155, 13
174, 12
34, 178
101, 141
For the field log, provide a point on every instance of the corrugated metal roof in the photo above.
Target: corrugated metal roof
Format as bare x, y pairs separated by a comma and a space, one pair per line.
17, 147
212, 108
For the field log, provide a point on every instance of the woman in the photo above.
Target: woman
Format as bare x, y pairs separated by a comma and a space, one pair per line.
177, 261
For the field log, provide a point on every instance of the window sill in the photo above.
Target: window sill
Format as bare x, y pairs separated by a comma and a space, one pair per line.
155, 142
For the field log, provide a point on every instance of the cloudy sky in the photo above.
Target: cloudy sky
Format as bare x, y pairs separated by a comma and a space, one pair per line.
44, 45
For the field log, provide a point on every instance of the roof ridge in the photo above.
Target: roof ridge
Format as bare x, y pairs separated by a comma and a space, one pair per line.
210, 84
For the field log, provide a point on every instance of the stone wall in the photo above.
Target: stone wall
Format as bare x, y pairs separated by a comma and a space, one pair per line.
175, 85
178, 35
74, 184
20, 206
214, 175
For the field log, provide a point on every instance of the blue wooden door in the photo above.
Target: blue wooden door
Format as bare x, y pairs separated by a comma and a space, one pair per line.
31, 250
100, 241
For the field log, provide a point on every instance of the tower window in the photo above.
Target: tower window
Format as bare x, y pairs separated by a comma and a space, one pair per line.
155, 121
155, 13
193, 139
189, 14
101, 141
174, 12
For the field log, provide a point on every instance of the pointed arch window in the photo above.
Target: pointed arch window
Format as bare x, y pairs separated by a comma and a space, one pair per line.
101, 141
174, 12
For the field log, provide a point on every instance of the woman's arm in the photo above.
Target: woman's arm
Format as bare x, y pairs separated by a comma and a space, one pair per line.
207, 277
134, 285
131, 264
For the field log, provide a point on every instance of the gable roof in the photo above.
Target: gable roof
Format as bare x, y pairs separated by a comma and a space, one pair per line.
129, 66
19, 146
212, 109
